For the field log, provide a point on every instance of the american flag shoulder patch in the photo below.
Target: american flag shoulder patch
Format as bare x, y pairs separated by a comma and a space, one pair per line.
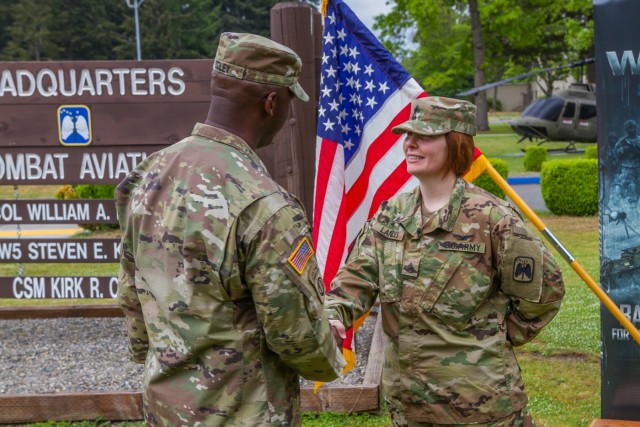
301, 256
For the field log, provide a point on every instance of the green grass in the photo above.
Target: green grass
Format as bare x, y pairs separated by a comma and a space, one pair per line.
28, 191
326, 419
561, 389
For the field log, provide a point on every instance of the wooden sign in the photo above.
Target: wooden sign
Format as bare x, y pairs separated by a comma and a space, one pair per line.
76, 165
101, 103
45, 211
59, 251
57, 287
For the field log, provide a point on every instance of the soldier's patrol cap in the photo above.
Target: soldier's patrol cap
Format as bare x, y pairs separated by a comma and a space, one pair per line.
259, 59
437, 115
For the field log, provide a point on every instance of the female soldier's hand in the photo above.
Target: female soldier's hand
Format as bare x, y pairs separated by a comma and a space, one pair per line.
337, 328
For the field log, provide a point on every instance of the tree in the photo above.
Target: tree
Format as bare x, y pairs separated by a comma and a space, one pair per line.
6, 19
88, 29
95, 30
172, 29
504, 37
29, 35
445, 18
482, 121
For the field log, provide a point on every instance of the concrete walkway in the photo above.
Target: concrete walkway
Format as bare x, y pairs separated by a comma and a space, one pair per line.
528, 188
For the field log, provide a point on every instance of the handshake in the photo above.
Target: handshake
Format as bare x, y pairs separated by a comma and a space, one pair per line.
338, 331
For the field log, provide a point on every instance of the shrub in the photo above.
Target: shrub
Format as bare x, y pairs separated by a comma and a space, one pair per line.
66, 192
591, 152
534, 156
485, 182
88, 191
498, 104
97, 191
570, 187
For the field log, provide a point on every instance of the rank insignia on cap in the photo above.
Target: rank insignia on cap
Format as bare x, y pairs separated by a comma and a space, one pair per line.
523, 269
301, 256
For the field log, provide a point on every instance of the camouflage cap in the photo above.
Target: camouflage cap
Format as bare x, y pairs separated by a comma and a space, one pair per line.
436, 115
252, 57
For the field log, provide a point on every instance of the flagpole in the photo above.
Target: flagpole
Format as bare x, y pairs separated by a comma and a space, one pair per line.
602, 295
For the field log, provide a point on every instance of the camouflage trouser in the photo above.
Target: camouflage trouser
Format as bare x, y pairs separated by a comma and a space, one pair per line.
522, 418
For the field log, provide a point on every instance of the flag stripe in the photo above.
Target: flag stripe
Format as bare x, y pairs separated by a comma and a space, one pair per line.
378, 148
364, 93
325, 155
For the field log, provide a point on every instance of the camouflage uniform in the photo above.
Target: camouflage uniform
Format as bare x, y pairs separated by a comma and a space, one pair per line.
457, 290
220, 287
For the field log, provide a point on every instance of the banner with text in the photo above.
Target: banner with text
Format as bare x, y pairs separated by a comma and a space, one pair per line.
617, 40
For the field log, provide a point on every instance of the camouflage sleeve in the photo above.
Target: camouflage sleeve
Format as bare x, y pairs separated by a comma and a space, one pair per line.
287, 288
529, 276
355, 288
127, 296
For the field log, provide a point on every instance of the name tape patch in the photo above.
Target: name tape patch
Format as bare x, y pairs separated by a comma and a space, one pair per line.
301, 256
447, 245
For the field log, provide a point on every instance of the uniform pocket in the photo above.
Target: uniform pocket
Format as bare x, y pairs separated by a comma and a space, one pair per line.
458, 288
390, 287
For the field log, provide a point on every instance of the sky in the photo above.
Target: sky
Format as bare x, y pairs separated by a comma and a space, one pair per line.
366, 10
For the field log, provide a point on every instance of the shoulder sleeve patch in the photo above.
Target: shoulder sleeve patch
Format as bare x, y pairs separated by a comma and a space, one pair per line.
522, 274
301, 256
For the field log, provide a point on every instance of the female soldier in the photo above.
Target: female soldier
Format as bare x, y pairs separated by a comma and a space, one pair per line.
461, 281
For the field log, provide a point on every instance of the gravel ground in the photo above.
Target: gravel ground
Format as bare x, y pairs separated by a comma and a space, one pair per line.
89, 354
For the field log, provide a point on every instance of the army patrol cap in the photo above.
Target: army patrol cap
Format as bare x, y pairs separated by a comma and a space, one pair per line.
252, 57
437, 115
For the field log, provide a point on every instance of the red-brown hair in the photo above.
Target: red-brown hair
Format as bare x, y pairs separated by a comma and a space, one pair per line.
460, 152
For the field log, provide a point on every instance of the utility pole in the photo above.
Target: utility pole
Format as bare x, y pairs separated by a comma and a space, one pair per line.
134, 6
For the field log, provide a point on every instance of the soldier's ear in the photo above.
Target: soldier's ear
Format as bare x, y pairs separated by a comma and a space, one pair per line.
271, 103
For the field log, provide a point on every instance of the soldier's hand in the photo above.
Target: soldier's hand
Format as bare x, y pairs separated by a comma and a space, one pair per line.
338, 331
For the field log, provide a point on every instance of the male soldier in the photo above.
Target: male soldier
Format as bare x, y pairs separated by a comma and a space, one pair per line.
218, 279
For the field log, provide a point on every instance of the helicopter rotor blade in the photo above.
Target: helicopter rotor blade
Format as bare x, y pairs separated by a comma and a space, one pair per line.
522, 76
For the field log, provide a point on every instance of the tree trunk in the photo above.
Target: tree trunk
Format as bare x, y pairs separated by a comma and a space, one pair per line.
482, 121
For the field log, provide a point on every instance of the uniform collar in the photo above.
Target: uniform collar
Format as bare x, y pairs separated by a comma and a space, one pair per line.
224, 137
444, 218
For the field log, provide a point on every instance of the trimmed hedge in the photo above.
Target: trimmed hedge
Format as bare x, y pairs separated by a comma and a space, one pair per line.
485, 182
591, 152
534, 156
570, 187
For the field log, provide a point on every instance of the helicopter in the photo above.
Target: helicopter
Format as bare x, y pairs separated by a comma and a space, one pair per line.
568, 116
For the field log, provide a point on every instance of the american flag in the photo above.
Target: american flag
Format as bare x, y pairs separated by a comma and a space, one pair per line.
364, 92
